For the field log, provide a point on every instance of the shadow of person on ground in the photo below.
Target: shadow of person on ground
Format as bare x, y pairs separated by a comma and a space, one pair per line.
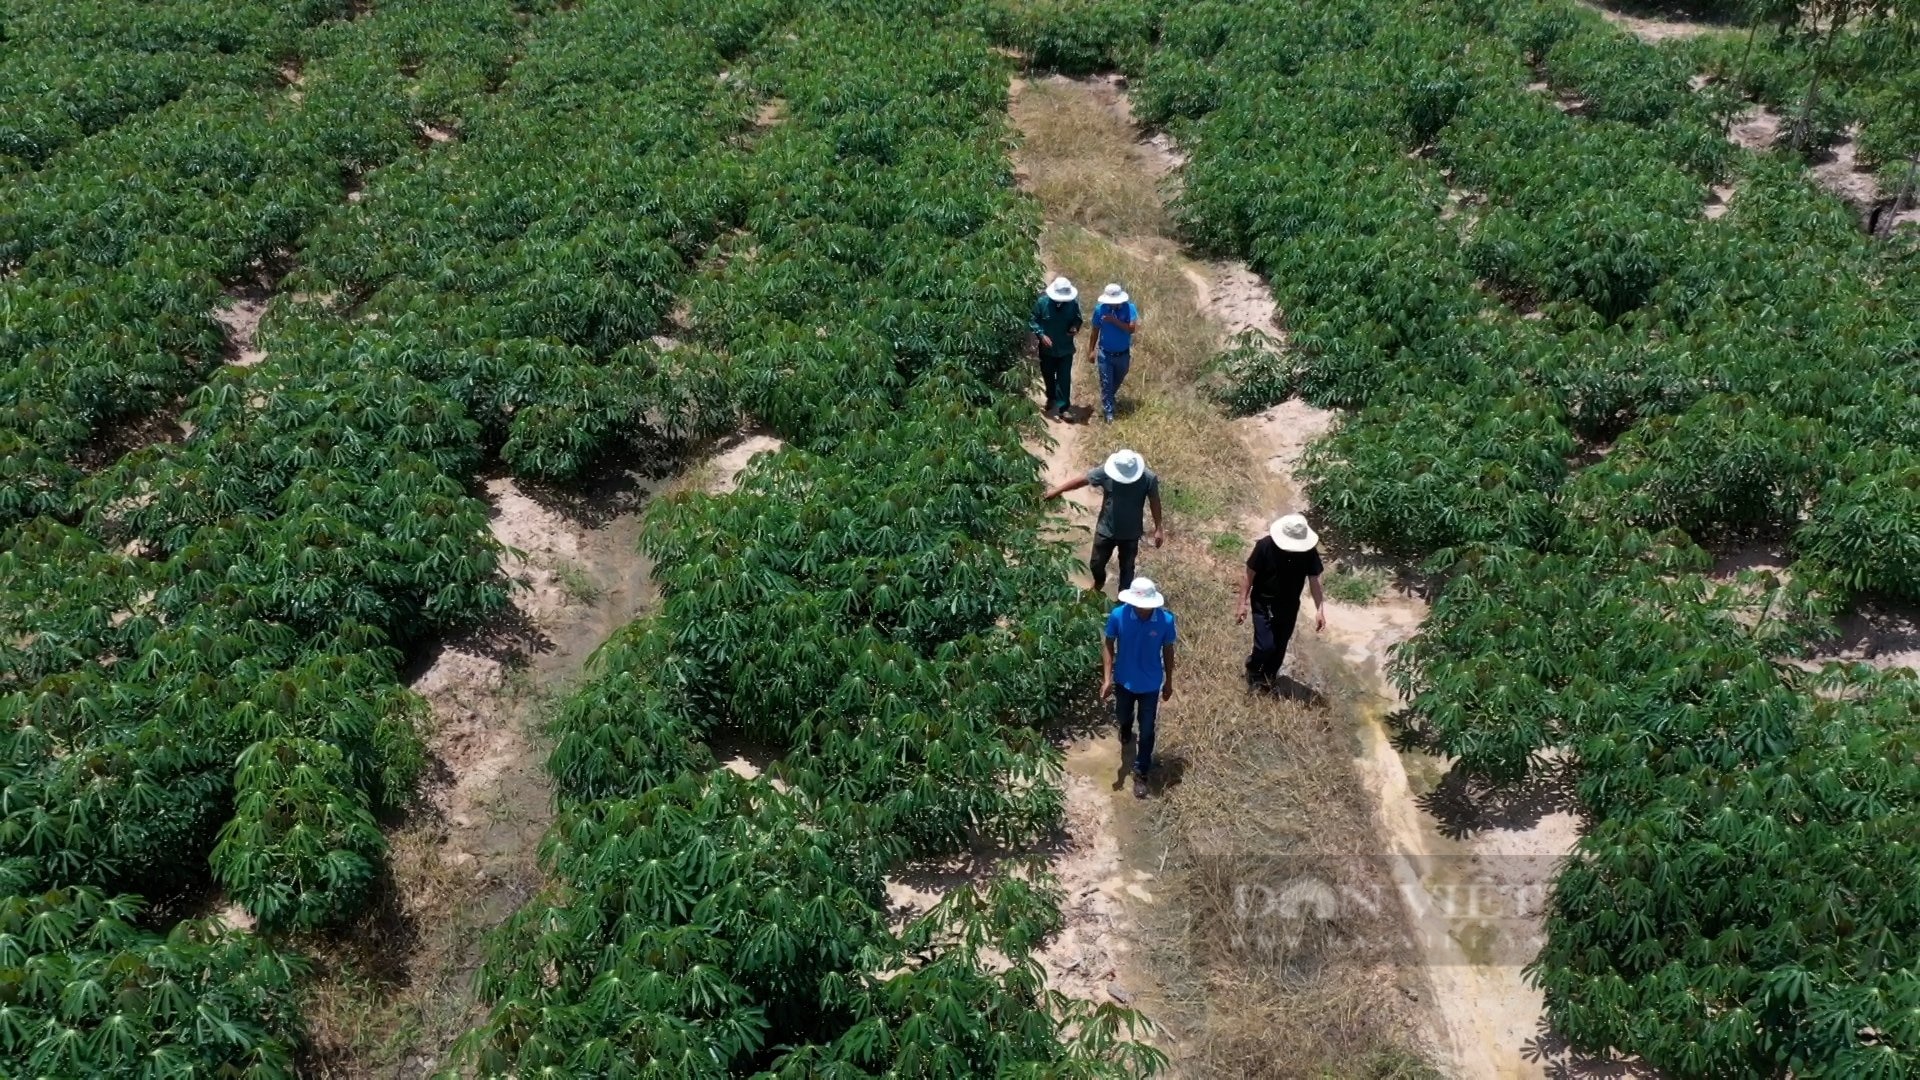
1168, 770
1288, 688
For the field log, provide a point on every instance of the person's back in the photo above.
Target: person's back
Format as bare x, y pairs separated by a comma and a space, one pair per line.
1137, 669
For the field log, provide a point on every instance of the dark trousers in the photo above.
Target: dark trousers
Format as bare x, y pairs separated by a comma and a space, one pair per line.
1272, 630
1129, 706
1103, 549
1057, 373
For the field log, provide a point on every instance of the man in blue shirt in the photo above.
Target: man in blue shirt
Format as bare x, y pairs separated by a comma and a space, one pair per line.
1115, 320
1137, 669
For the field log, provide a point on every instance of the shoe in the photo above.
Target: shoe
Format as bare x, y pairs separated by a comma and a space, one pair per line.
1139, 786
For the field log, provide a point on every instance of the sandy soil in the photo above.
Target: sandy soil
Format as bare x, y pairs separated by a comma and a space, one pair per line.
727, 465
1088, 958
291, 75
1881, 634
1756, 129
1655, 31
239, 317
1282, 433
1238, 300
1720, 202
1843, 175
579, 576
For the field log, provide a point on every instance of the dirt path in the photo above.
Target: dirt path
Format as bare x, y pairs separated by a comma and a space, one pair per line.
1170, 896
1473, 903
400, 987
1456, 877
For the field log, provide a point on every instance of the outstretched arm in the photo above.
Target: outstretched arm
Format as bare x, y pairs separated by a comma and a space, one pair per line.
1246, 595
1074, 484
1319, 603
1166, 661
1159, 531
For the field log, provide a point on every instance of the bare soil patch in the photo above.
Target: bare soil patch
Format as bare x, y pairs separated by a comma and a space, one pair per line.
1653, 31
239, 317
1881, 634
1842, 174
1756, 129
397, 988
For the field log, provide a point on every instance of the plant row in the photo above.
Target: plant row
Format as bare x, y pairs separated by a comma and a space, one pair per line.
200, 674
116, 253
873, 607
70, 69
1485, 223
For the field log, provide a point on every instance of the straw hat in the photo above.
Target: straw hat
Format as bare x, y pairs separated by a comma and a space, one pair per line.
1293, 533
1143, 594
1113, 294
1062, 290
1124, 466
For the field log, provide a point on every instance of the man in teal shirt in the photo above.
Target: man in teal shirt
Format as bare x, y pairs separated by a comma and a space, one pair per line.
1056, 319
1137, 669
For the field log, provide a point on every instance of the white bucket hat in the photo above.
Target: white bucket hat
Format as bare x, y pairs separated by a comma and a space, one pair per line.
1143, 594
1113, 294
1293, 533
1124, 466
1062, 290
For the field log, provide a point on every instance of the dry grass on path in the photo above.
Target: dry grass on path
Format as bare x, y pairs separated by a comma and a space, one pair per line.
1260, 815
1077, 162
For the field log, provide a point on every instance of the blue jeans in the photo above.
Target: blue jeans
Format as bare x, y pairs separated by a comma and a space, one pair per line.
1113, 372
1126, 706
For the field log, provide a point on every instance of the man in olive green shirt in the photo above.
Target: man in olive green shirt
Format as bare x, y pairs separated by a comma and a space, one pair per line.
1056, 319
1129, 489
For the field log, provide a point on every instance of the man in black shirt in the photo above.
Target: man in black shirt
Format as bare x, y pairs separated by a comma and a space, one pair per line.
1282, 561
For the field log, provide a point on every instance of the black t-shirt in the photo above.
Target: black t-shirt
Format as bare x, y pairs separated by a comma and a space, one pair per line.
1278, 576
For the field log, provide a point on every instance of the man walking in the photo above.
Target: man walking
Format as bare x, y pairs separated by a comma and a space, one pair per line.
1129, 488
1056, 319
1282, 561
1115, 319
1136, 669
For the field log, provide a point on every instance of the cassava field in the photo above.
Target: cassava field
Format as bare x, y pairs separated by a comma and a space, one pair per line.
521, 549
